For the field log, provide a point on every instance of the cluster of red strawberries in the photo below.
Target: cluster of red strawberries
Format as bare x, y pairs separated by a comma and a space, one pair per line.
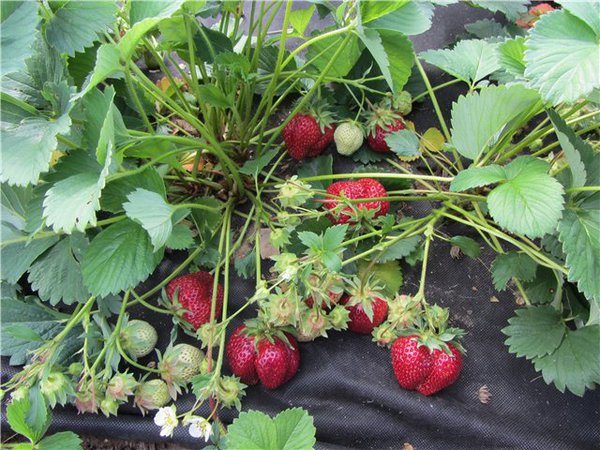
274, 358
309, 132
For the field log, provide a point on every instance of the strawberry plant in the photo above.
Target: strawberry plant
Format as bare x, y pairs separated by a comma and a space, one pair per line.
196, 131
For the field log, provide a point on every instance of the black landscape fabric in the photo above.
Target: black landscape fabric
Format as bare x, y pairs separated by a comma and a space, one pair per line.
347, 384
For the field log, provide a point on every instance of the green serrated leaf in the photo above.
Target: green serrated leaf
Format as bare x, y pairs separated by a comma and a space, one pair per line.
333, 237
56, 276
18, 35
65, 440
543, 288
473, 177
300, 18
510, 8
322, 165
252, 430
583, 160
403, 143
479, 118
486, 28
15, 312
512, 265
16, 414
294, 430
181, 238
388, 275
530, 201
392, 51
399, 249
469, 60
254, 166
118, 258
575, 365
151, 211
115, 192
562, 57
17, 257
511, 54
579, 233
370, 11
319, 51
469, 247
410, 18
534, 331
246, 266
77, 24
27, 148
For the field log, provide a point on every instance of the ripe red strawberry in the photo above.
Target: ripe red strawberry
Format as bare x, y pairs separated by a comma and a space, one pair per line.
241, 354
377, 136
305, 138
273, 363
418, 368
194, 293
363, 188
359, 321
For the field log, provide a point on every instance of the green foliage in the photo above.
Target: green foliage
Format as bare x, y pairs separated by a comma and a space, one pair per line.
325, 247
25, 326
19, 23
579, 233
479, 119
534, 331
153, 213
469, 60
76, 25
469, 247
403, 143
118, 258
527, 200
290, 429
392, 51
575, 365
563, 54
512, 265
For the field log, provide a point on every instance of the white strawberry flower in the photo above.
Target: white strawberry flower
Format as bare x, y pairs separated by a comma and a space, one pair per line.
166, 419
199, 427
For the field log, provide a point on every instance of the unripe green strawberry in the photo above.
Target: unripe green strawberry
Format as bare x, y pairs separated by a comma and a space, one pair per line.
109, 406
348, 138
339, 317
402, 103
56, 388
179, 365
120, 386
230, 391
138, 338
152, 394
75, 369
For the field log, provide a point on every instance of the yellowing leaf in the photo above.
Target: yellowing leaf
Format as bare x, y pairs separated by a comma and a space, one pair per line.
433, 140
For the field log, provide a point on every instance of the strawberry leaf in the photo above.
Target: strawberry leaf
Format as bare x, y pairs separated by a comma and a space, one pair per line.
534, 331
469, 60
512, 265
563, 54
469, 247
118, 258
575, 364
579, 232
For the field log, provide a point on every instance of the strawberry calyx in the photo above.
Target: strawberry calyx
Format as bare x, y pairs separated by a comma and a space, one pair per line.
364, 293
381, 115
319, 110
259, 329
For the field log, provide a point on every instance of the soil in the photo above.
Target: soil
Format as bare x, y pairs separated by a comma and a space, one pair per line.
92, 443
